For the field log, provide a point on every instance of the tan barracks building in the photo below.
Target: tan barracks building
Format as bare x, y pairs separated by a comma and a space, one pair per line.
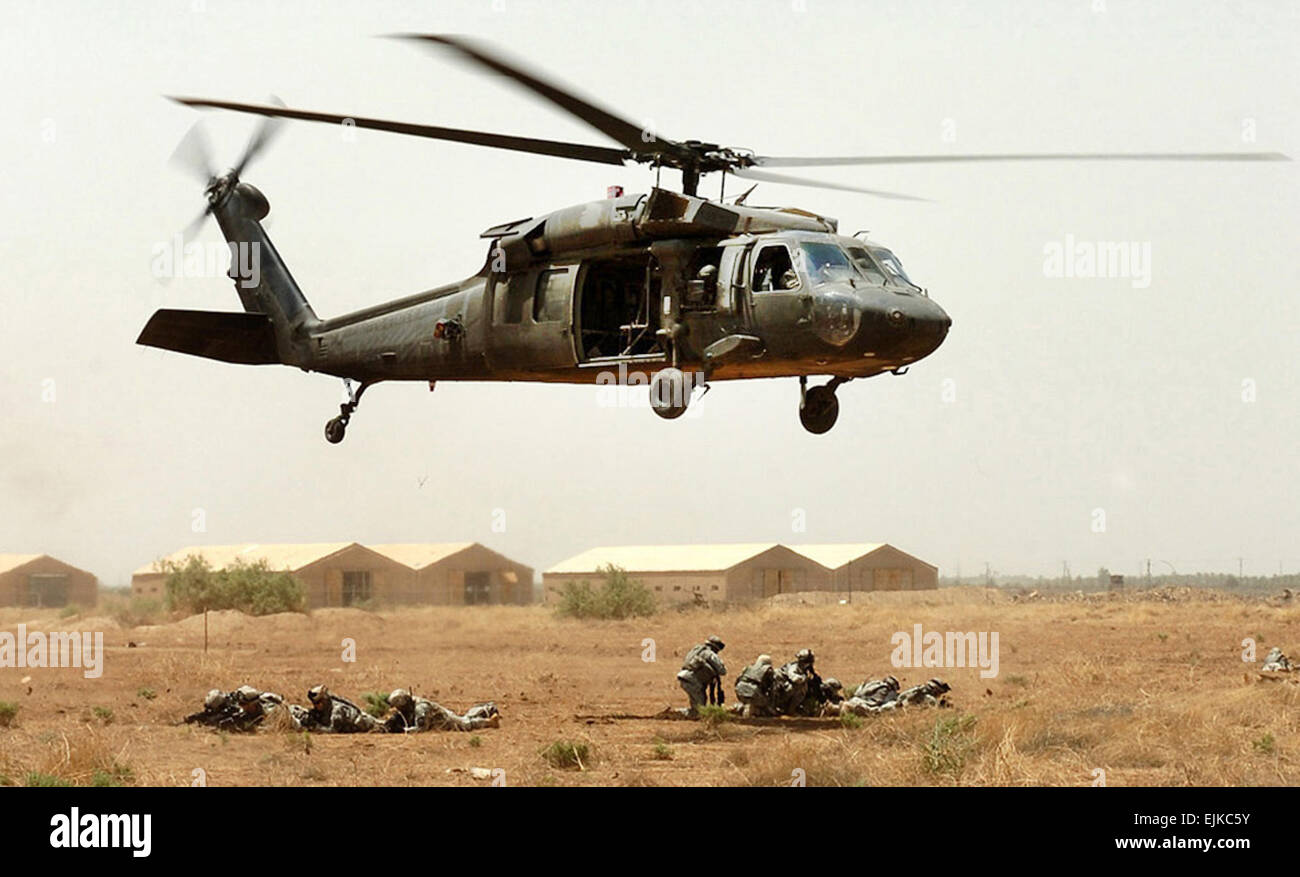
681, 573
41, 580
740, 572
350, 574
870, 566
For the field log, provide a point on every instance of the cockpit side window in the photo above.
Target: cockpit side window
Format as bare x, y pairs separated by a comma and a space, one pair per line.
864, 263
892, 266
773, 269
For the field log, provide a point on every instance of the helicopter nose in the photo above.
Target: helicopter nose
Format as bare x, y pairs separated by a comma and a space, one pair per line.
918, 325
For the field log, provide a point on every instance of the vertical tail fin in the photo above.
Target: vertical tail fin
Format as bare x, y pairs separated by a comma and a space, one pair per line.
261, 278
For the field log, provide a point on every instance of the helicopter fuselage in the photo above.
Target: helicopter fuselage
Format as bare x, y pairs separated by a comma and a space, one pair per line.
588, 293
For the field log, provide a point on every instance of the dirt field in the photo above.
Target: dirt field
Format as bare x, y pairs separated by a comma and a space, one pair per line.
1152, 691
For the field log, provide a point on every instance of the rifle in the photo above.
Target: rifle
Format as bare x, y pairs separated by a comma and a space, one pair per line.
715, 694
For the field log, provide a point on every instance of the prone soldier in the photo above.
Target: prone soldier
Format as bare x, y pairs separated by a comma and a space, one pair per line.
1275, 660
414, 713
216, 706
871, 696
331, 714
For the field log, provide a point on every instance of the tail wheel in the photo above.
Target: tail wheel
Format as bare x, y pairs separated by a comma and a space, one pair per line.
819, 410
669, 394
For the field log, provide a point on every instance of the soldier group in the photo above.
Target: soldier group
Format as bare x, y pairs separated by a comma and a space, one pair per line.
245, 708
794, 688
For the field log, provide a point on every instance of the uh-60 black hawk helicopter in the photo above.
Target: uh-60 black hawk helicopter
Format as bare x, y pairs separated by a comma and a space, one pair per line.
690, 289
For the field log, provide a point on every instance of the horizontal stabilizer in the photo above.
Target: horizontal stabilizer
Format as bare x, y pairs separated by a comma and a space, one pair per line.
241, 337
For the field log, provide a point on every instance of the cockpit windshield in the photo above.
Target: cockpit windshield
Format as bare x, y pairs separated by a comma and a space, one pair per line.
825, 262
891, 265
864, 263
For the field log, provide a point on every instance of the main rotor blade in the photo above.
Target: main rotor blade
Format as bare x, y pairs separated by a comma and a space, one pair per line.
634, 137
764, 176
555, 148
828, 161
193, 154
261, 137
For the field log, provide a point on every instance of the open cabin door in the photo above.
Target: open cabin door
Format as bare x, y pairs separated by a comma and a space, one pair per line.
618, 310
531, 312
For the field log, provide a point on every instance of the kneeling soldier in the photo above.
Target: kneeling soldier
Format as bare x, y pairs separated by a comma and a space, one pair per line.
754, 688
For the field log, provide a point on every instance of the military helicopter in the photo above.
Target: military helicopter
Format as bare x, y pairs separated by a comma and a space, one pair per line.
672, 287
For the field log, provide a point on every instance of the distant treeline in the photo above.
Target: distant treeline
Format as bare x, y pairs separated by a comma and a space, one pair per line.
1101, 581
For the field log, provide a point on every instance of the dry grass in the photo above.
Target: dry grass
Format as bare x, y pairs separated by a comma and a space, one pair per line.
1151, 691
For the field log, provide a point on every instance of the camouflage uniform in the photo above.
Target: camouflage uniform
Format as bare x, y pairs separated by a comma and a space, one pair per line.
411, 713
792, 688
240, 710
928, 693
332, 714
700, 668
830, 696
1275, 660
755, 688
217, 706
871, 696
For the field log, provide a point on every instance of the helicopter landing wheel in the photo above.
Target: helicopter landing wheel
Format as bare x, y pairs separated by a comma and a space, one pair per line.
335, 429
669, 394
819, 409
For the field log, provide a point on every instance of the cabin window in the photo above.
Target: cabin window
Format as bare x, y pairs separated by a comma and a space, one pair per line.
773, 269
551, 298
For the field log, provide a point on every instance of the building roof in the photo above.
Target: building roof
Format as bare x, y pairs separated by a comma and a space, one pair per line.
837, 554
284, 556
418, 555
663, 558
13, 561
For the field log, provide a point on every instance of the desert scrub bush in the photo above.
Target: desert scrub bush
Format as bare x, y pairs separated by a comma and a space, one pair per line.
376, 703
619, 597
8, 712
662, 751
949, 744
567, 754
850, 721
115, 775
104, 714
253, 588
35, 779
711, 715
1264, 745
475, 741
146, 693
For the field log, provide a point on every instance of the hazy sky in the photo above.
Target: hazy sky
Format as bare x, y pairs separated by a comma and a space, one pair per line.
1170, 407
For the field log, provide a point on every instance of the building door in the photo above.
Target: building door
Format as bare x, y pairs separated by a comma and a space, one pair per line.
893, 579
47, 589
356, 586
775, 581
478, 588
